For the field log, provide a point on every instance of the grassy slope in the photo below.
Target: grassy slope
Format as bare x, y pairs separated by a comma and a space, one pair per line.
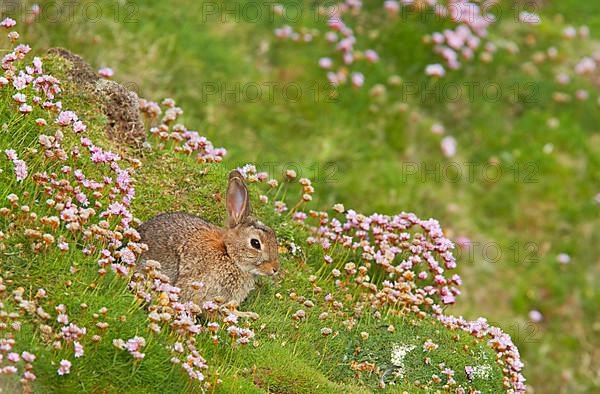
169, 51
283, 358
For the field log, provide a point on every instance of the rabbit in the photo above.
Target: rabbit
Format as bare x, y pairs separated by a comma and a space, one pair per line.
226, 260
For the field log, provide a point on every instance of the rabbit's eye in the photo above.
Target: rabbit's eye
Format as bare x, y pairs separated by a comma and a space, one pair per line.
255, 243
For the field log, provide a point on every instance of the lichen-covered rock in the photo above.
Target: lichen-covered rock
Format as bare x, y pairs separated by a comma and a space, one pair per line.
119, 104
81, 72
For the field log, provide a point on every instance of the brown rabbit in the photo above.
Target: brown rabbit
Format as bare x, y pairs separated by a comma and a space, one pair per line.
225, 260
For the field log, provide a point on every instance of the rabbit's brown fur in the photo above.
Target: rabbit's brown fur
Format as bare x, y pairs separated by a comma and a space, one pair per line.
191, 249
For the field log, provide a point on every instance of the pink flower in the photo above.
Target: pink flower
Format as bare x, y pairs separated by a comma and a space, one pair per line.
37, 65
326, 331
50, 87
325, 62
335, 24
563, 258
79, 126
28, 375
78, 349
9, 370
106, 72
8, 23
435, 70
299, 314
28, 357
209, 306
438, 38
119, 343
72, 332
333, 78
25, 108
20, 165
19, 98
371, 56
429, 346
582, 95
134, 345
358, 79
13, 357
231, 318
21, 81
11, 154
391, 7
346, 44
127, 256
569, 32
437, 128
447, 371
120, 269
299, 216
280, 207
66, 117
283, 32
448, 299
448, 145
535, 316
563, 78
470, 372
65, 367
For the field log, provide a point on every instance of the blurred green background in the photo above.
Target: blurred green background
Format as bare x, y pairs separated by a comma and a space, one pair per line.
521, 194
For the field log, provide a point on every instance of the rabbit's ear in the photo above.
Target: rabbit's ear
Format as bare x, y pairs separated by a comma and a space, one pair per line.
238, 203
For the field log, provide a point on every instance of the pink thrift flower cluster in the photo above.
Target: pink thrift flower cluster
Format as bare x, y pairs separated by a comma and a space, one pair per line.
165, 310
411, 253
20, 165
460, 43
69, 118
571, 70
106, 72
453, 45
65, 367
184, 140
252, 175
471, 29
134, 345
11, 361
72, 333
41, 89
508, 354
341, 38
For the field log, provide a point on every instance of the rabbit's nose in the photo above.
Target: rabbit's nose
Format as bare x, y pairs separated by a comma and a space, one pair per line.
274, 269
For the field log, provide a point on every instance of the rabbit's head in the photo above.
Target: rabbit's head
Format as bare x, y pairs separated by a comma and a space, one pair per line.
251, 244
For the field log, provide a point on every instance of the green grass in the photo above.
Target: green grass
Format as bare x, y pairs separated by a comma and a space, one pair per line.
169, 51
